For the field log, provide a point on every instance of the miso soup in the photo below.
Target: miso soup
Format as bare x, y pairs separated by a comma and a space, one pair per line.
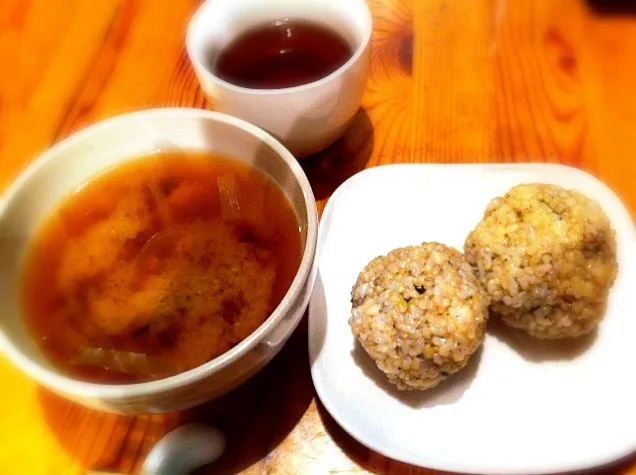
158, 266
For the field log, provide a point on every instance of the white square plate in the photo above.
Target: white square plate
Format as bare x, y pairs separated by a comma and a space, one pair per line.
520, 406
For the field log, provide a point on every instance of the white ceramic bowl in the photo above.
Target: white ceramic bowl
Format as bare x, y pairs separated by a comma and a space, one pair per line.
72, 162
307, 118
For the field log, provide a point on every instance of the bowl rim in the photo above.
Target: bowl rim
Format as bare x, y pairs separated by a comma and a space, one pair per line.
194, 54
58, 381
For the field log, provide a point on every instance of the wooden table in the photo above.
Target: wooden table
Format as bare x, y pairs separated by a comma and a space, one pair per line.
451, 81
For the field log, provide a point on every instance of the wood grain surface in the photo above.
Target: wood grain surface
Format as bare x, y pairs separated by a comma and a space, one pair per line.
451, 81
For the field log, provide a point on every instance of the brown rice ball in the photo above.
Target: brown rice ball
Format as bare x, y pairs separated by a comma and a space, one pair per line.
420, 313
547, 258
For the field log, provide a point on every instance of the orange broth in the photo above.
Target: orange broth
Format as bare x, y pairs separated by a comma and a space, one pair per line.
159, 265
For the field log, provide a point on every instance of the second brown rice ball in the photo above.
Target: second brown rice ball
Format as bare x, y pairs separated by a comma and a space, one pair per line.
420, 313
547, 258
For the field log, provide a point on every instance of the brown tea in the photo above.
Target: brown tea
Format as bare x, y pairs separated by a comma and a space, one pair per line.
281, 54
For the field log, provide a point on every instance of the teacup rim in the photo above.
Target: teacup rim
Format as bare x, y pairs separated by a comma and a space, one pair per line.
193, 50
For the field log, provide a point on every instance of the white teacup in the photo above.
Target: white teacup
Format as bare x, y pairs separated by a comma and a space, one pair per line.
306, 118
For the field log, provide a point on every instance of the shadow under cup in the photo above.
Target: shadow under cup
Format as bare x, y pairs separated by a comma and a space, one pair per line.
306, 118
